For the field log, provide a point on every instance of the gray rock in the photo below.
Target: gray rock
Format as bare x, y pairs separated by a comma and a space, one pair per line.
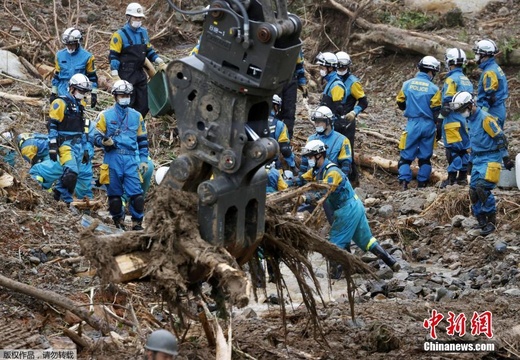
503, 11
385, 273
249, 313
34, 260
420, 222
386, 211
412, 205
457, 220
513, 292
10, 65
468, 223
500, 247
455, 265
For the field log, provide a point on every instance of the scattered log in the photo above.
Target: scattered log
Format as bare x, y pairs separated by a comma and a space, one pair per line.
80, 340
392, 166
45, 71
57, 300
379, 135
86, 203
5, 82
25, 99
30, 67
407, 41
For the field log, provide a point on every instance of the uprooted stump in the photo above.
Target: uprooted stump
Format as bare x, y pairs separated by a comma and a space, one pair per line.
175, 257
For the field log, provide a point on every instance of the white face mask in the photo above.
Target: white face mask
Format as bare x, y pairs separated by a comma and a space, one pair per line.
78, 95
477, 57
466, 114
136, 24
343, 72
320, 129
124, 101
323, 72
312, 163
71, 51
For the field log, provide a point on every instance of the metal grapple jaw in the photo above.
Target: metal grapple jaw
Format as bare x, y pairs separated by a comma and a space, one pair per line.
221, 98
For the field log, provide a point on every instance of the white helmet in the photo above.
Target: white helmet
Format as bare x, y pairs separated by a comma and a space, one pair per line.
454, 56
327, 59
429, 63
71, 36
322, 113
461, 101
485, 47
80, 82
277, 100
343, 59
122, 87
135, 10
314, 147
7, 136
160, 174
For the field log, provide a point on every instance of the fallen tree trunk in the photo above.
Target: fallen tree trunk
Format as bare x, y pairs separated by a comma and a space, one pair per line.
401, 40
57, 300
25, 99
392, 166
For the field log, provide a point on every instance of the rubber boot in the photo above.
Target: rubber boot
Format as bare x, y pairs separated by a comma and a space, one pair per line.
56, 194
422, 184
137, 225
335, 270
462, 179
490, 224
482, 221
451, 180
119, 223
386, 257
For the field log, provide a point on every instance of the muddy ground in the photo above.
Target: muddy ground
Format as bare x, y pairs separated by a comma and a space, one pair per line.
445, 266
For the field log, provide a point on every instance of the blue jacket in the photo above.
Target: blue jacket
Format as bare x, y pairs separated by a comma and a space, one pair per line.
126, 127
66, 65
34, 147
329, 173
419, 97
338, 151
455, 81
120, 40
485, 135
492, 86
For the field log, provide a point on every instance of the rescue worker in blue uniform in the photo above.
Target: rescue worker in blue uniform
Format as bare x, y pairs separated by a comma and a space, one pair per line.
334, 93
338, 146
7, 151
121, 131
73, 60
420, 99
34, 147
488, 152
349, 218
454, 127
277, 179
290, 92
492, 85
129, 48
355, 103
68, 131
278, 131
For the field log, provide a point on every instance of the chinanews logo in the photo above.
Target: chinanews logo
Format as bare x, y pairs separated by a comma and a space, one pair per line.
481, 324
